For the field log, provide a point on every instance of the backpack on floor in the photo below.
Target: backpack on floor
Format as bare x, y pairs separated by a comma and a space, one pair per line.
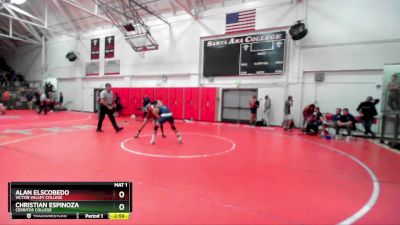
260, 123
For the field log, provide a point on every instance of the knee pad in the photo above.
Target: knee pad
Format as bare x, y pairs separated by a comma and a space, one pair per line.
173, 127
155, 128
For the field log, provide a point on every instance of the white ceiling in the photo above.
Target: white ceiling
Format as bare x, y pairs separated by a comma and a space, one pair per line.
72, 17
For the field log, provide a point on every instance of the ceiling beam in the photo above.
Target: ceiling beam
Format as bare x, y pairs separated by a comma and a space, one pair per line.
9, 43
39, 25
65, 15
26, 26
93, 13
184, 8
173, 8
148, 10
19, 39
12, 33
23, 12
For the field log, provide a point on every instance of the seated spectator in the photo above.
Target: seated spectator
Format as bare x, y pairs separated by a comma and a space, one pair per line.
3, 79
314, 121
330, 120
2, 109
307, 113
367, 112
6, 96
337, 115
319, 116
346, 121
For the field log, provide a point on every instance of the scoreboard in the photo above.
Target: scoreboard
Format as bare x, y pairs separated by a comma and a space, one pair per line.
73, 200
255, 54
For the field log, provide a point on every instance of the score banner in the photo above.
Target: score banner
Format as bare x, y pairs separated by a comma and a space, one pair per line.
253, 54
72, 200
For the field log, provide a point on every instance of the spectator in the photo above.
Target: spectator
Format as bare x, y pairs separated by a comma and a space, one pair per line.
254, 104
308, 112
3, 79
394, 94
367, 112
314, 121
267, 110
330, 120
346, 121
337, 115
318, 114
37, 100
6, 98
29, 98
43, 103
288, 123
52, 100
2, 109
61, 100
118, 106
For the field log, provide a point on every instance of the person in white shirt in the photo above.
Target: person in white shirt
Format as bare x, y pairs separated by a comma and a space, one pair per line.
267, 110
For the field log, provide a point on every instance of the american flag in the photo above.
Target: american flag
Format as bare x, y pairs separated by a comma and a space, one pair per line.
240, 21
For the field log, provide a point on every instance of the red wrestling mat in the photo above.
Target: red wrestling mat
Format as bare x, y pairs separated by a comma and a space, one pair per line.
220, 174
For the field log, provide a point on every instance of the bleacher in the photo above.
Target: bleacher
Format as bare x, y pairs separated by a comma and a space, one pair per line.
14, 89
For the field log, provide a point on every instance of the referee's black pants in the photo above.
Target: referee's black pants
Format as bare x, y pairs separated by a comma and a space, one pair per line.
103, 112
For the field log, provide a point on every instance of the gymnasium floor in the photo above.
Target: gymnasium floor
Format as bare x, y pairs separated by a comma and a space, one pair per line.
221, 174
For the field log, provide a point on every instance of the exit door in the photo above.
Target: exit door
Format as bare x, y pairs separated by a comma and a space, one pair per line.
235, 105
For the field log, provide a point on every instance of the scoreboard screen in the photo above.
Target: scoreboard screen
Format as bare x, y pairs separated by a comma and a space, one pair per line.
74, 200
255, 54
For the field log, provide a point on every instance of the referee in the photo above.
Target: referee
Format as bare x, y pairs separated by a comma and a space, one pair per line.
107, 107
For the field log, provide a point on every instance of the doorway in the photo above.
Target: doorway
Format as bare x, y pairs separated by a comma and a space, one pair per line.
235, 105
96, 97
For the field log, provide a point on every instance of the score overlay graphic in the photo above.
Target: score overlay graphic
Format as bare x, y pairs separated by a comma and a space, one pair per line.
72, 200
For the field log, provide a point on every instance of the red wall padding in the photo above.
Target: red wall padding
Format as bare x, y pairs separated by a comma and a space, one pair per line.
161, 94
185, 103
149, 92
135, 101
208, 104
123, 94
192, 103
175, 96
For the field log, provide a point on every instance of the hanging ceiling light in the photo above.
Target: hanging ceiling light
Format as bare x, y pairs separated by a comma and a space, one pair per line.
18, 2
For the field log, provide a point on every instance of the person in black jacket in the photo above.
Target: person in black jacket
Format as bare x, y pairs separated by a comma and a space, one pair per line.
367, 112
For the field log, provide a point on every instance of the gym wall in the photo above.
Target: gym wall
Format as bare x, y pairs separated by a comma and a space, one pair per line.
351, 38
